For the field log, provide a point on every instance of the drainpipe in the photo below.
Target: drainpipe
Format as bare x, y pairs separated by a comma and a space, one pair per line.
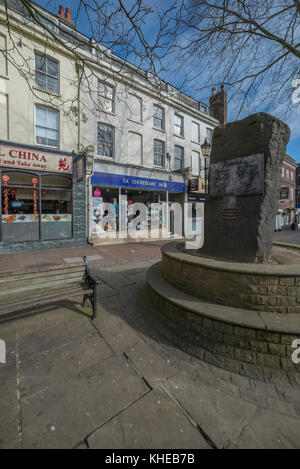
89, 154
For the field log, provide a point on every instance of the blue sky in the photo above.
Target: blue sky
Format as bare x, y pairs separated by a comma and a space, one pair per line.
149, 29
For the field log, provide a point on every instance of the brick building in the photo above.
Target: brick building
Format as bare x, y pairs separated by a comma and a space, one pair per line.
287, 198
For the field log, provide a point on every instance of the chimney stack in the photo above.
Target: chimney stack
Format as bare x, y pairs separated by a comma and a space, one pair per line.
61, 11
68, 15
218, 103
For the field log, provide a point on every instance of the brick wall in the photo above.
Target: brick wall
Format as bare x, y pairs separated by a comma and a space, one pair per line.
254, 353
260, 292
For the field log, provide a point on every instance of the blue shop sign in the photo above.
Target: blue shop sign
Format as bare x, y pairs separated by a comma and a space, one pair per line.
118, 180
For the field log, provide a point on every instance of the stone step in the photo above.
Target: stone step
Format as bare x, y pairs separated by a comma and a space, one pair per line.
256, 345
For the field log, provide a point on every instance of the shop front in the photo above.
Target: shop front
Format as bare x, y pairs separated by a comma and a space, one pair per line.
42, 199
121, 194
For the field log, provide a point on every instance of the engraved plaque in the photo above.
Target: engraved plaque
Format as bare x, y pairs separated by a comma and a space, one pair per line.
239, 176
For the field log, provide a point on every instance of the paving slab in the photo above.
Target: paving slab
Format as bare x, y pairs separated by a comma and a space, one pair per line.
269, 430
150, 364
59, 364
116, 333
48, 333
219, 415
153, 422
61, 416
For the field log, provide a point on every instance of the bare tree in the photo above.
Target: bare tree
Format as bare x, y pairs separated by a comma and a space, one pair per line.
252, 46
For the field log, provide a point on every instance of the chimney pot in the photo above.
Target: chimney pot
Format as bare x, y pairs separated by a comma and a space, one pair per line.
68, 14
61, 11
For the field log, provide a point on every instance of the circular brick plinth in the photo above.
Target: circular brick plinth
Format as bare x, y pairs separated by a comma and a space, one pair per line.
250, 343
259, 287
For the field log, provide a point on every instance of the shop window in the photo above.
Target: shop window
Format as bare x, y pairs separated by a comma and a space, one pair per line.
101, 212
19, 208
106, 97
158, 117
56, 214
35, 207
56, 181
19, 178
47, 126
178, 158
46, 73
159, 153
106, 140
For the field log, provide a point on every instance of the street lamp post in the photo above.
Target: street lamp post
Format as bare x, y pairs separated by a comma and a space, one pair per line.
206, 148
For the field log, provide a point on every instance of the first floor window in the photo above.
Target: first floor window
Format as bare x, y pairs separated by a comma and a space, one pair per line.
105, 141
47, 126
178, 158
159, 153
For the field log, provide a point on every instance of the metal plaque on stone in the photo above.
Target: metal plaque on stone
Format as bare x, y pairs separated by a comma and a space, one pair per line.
238, 176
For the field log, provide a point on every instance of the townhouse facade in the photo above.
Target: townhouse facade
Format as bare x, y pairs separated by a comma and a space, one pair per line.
43, 196
65, 149
147, 144
287, 198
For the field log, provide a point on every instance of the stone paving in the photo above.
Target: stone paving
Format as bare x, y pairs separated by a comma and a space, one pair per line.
287, 236
118, 383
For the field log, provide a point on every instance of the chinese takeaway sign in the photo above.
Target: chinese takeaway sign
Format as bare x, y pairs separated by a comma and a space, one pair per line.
22, 158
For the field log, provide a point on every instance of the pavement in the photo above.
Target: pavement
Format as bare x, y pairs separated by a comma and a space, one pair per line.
118, 383
287, 236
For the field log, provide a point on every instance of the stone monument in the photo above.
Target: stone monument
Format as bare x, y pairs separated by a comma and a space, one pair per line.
225, 303
244, 184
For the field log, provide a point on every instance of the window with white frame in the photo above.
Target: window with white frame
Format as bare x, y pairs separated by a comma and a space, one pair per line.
209, 134
195, 163
282, 172
292, 176
159, 153
3, 58
46, 126
287, 174
135, 148
46, 73
292, 195
105, 140
178, 125
106, 97
158, 117
178, 157
195, 132
135, 108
